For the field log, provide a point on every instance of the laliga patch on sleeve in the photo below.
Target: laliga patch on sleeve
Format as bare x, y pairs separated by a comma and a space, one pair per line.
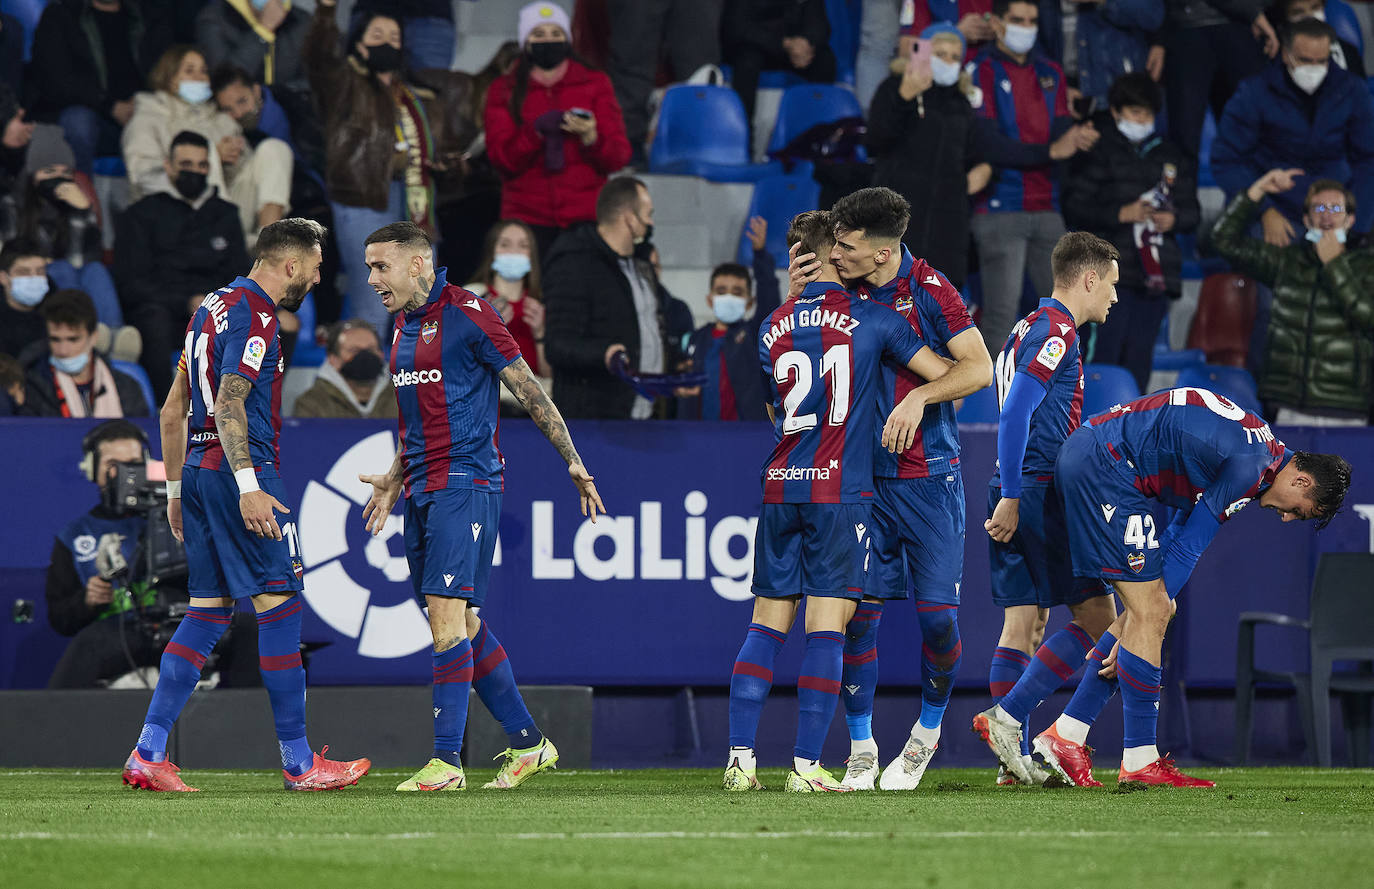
1237, 506
253, 352
1052, 352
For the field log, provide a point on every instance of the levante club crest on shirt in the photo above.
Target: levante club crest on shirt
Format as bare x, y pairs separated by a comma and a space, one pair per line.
1136, 560
428, 330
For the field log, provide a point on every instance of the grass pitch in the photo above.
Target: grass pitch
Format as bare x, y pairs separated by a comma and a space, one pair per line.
1259, 828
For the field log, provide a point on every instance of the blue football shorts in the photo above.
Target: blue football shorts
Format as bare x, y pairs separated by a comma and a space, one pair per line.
918, 538
450, 539
811, 549
223, 557
1035, 568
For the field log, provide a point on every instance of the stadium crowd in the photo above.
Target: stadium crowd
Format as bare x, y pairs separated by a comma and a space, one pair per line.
146, 142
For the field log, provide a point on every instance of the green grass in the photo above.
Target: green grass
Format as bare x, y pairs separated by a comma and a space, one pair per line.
1260, 827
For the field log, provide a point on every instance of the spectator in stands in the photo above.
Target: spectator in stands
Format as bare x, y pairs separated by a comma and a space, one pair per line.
727, 349
509, 279
554, 130
15, 134
89, 58
973, 18
1300, 112
70, 378
1344, 54
1016, 220
879, 28
643, 32
1138, 190
12, 54
372, 176
429, 33
1111, 39
1318, 365
782, 35
353, 381
928, 114
257, 180
24, 278
11, 386
264, 39
602, 300
1202, 53
175, 246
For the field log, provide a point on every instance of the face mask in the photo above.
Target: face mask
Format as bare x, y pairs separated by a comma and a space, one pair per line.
728, 307
29, 290
1134, 130
944, 73
1308, 77
362, 367
383, 59
1315, 234
249, 121
547, 56
648, 235
190, 184
1318, 14
47, 189
1019, 39
194, 91
71, 366
260, 5
511, 266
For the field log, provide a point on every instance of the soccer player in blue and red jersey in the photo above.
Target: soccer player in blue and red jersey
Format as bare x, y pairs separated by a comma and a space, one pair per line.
821, 352
1040, 390
222, 502
918, 511
449, 352
1193, 451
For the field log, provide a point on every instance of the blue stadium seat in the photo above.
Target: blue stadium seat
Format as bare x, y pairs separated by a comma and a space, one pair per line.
1205, 179
1105, 385
805, 106
1166, 358
1341, 17
307, 353
777, 199
980, 407
28, 12
845, 16
1233, 382
702, 132
140, 376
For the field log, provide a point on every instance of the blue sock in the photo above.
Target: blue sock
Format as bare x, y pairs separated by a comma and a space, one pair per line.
1057, 660
1139, 698
494, 683
1093, 691
751, 681
818, 691
1007, 666
941, 650
182, 661
279, 662
859, 677
452, 681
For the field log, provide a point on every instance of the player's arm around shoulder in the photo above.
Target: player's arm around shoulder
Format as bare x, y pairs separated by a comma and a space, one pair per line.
526, 388
231, 421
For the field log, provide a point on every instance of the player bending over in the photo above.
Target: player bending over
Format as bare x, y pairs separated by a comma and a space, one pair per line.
449, 353
222, 502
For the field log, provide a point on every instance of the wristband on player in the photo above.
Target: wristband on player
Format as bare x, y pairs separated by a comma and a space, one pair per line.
247, 480
173, 489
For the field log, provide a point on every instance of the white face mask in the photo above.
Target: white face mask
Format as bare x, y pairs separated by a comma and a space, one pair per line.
1315, 234
1019, 38
944, 73
728, 307
1308, 77
1134, 130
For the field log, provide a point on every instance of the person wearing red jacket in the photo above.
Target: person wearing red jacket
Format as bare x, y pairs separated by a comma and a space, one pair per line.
553, 128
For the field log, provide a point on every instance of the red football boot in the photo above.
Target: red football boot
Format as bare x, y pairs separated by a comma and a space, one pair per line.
1073, 762
160, 776
1161, 771
327, 774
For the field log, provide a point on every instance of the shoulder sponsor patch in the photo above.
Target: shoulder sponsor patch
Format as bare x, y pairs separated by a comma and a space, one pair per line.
253, 352
1052, 352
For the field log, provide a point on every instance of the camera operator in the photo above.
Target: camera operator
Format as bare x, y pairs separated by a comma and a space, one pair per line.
111, 617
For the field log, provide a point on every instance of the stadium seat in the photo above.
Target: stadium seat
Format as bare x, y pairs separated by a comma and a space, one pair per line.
140, 376
777, 199
1224, 320
845, 16
1341, 17
1233, 382
807, 105
1205, 179
1166, 358
684, 146
308, 353
28, 12
1104, 386
1341, 627
980, 407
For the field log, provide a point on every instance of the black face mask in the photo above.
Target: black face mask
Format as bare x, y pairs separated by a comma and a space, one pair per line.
189, 184
47, 189
362, 367
383, 59
250, 121
547, 56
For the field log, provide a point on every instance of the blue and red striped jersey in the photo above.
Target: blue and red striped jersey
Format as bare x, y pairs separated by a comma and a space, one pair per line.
1188, 446
936, 311
445, 358
1044, 346
234, 332
821, 353
1024, 101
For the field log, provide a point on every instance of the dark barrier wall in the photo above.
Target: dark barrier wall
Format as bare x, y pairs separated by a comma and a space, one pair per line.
655, 594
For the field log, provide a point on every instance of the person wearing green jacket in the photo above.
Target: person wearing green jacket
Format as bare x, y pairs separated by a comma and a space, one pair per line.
1319, 347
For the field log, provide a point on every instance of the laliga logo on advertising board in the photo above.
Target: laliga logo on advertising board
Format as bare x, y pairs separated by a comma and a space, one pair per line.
376, 605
